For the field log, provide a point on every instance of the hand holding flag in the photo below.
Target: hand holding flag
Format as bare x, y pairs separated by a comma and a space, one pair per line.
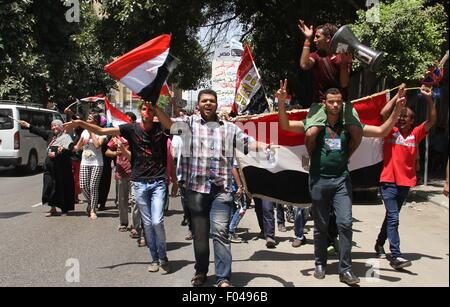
146, 68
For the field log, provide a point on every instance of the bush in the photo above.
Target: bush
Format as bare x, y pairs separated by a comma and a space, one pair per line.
410, 33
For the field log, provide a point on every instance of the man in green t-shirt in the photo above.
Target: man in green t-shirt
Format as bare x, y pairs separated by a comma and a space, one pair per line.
330, 187
330, 184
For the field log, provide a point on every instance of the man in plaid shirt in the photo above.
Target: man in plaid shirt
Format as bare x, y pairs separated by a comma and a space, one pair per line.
206, 164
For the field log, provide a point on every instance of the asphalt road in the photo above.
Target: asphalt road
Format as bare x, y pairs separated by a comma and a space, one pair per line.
40, 251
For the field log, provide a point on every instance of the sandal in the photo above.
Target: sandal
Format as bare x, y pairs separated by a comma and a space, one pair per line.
141, 243
198, 279
134, 234
122, 228
93, 216
51, 213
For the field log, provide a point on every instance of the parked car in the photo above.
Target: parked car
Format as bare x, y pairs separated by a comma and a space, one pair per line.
19, 147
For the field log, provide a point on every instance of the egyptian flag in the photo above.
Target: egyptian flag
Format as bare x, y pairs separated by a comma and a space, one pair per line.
283, 178
145, 69
250, 96
115, 117
164, 91
99, 97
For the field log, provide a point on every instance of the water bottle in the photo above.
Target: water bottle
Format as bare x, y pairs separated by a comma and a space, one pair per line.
270, 156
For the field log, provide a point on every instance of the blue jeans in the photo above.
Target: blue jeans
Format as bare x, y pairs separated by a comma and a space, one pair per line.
280, 214
211, 213
150, 201
328, 194
236, 216
393, 197
299, 222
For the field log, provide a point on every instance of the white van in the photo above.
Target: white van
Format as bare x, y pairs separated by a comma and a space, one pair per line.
19, 147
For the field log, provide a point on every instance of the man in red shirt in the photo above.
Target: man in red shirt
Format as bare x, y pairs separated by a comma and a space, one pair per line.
399, 173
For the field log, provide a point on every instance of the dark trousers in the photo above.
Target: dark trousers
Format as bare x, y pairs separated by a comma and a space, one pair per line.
328, 194
265, 215
211, 213
186, 213
280, 214
393, 197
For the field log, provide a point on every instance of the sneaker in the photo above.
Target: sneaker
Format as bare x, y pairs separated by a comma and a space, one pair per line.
319, 272
379, 251
224, 284
349, 278
234, 238
154, 267
164, 267
282, 228
400, 263
298, 242
270, 243
290, 217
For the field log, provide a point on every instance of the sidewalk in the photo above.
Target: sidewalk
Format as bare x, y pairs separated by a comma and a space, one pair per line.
431, 192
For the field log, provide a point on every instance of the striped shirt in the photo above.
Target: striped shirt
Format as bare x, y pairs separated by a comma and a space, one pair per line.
208, 152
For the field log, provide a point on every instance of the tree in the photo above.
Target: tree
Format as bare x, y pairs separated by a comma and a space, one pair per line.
410, 33
23, 72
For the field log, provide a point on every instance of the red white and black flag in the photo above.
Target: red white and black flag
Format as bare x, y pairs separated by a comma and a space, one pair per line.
114, 117
283, 178
250, 96
145, 69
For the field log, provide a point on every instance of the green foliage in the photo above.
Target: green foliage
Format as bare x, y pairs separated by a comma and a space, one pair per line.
410, 33
22, 71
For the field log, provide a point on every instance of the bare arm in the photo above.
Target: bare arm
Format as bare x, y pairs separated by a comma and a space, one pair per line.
238, 181
79, 145
383, 130
387, 109
110, 153
98, 142
306, 62
164, 119
344, 73
431, 114
114, 131
283, 119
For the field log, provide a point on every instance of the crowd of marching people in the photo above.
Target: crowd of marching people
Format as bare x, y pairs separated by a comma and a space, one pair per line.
195, 156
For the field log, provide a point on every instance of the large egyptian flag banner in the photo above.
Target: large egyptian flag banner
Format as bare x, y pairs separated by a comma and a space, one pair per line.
250, 95
283, 177
145, 69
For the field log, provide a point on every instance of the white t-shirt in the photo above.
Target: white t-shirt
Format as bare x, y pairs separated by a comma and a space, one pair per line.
91, 156
177, 148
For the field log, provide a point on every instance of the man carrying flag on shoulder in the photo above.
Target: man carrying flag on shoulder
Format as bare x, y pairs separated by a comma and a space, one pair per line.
330, 184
